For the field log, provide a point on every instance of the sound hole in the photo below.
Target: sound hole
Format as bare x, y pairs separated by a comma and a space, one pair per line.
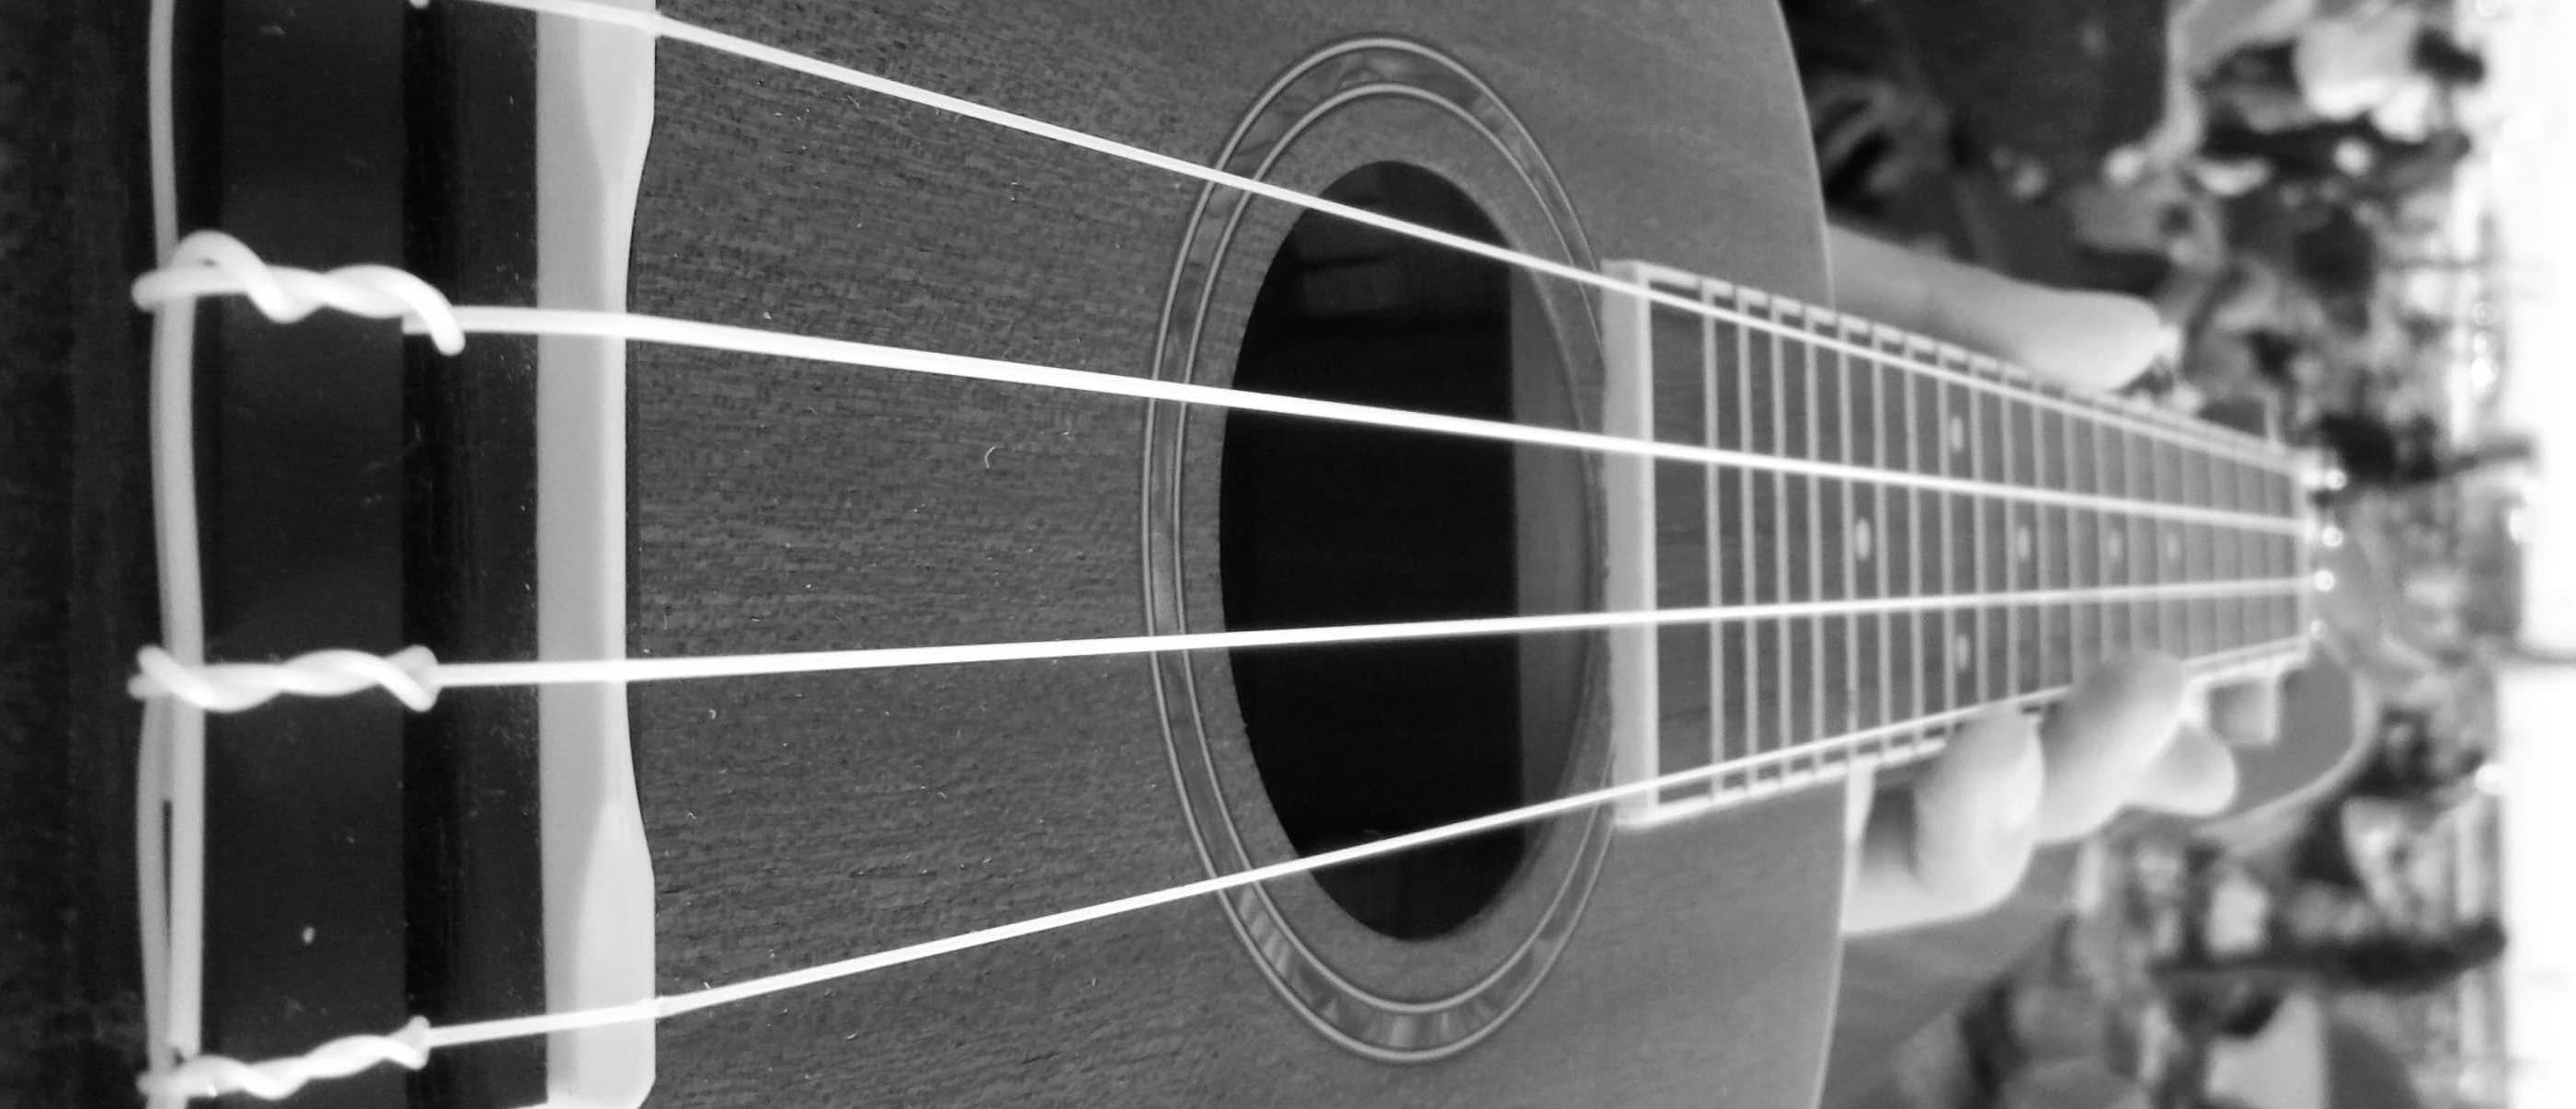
1324, 523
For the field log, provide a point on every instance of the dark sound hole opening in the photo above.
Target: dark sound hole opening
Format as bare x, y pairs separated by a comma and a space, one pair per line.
1325, 523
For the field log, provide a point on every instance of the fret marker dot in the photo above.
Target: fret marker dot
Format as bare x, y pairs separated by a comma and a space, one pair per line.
1860, 539
2173, 547
2021, 543
1958, 434
1959, 649
2111, 544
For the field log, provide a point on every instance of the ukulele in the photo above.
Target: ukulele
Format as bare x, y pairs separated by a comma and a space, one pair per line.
927, 565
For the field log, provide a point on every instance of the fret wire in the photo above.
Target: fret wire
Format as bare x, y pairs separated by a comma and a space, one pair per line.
1969, 668
2200, 555
1979, 538
2175, 545
2248, 490
1945, 660
1779, 530
2033, 555
1849, 451
2046, 536
2169, 488
2138, 547
1997, 669
2136, 556
2173, 626
2239, 616
1757, 583
1916, 395
1717, 729
2056, 629
1746, 560
2134, 559
1960, 516
2016, 547
2111, 534
2079, 619
2142, 541
1814, 629
2227, 620
1878, 516
2021, 548
2166, 477
1998, 681
1931, 547
2108, 531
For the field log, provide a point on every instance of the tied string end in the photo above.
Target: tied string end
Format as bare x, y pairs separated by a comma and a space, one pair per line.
275, 1079
212, 263
409, 674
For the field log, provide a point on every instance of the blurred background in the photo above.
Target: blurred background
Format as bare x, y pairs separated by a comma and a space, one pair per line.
2350, 214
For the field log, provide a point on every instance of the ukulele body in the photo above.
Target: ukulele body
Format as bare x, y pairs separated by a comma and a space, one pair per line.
780, 506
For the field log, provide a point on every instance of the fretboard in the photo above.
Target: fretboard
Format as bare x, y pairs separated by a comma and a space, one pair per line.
1898, 534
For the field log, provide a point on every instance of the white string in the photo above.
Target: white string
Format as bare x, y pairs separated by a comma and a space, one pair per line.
169, 799
212, 263
201, 1072
275, 1079
2136, 416
408, 674
747, 340
160, 127
415, 676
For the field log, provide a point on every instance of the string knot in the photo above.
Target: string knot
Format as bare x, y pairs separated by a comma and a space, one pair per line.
217, 1075
212, 263
408, 674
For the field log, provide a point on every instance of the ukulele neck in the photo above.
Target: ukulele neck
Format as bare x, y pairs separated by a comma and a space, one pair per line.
1887, 534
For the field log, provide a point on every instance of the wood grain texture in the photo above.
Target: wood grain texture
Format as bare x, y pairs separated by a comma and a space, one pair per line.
781, 506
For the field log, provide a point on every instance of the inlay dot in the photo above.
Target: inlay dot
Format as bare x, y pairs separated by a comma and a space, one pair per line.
1959, 652
2111, 545
2022, 543
2173, 547
1958, 434
1860, 538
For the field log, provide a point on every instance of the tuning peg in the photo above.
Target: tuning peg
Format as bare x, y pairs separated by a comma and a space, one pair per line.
2246, 712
